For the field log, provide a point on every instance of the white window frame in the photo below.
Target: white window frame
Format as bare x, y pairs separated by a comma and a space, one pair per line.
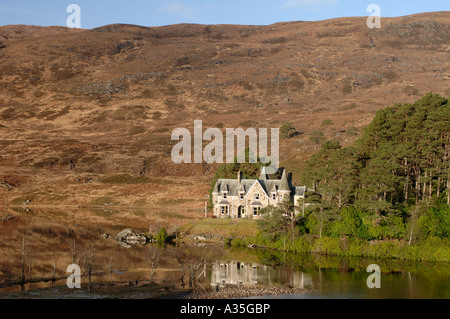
224, 210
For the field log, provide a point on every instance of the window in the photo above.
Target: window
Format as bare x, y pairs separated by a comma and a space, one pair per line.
281, 197
241, 195
224, 195
256, 196
274, 196
224, 210
255, 211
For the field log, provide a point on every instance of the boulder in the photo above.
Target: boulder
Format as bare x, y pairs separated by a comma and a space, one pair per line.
128, 238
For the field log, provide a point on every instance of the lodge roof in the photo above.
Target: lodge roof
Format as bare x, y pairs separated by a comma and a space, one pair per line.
236, 186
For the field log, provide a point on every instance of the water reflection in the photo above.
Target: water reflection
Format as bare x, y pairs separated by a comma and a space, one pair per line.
335, 277
48, 233
252, 274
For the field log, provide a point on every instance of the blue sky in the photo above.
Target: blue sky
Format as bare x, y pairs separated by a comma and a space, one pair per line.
96, 13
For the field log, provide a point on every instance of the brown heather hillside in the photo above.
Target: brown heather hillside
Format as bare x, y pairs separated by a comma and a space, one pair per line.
86, 115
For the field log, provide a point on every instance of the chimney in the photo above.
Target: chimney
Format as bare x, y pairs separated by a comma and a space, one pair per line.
239, 177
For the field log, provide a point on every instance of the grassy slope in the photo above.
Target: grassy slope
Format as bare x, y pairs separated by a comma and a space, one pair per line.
222, 227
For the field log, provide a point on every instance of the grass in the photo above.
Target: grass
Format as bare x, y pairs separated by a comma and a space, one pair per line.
23, 198
130, 179
102, 201
169, 201
223, 227
124, 179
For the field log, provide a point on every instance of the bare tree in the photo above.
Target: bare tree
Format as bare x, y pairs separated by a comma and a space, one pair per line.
154, 256
72, 245
191, 261
176, 230
53, 273
110, 266
89, 259
25, 261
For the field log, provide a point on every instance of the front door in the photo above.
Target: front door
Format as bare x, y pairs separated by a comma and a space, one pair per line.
240, 211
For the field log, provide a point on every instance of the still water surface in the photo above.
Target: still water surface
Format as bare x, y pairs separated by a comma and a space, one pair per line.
423, 282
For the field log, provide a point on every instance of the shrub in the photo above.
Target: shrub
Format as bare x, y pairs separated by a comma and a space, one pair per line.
317, 137
287, 130
327, 246
327, 122
161, 236
351, 224
238, 243
436, 222
303, 244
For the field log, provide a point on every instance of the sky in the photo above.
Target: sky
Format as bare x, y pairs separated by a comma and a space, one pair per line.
95, 13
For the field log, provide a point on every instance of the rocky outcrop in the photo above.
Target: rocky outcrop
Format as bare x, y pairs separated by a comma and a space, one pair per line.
128, 238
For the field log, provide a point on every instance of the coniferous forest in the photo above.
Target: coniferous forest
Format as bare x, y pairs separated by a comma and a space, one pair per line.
394, 182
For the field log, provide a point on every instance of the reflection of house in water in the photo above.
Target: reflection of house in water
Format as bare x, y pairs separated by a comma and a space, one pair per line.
236, 273
300, 279
239, 273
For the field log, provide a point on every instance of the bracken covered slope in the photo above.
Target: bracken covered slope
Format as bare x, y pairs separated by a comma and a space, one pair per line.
77, 106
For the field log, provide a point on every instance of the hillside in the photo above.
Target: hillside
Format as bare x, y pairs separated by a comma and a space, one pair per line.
86, 115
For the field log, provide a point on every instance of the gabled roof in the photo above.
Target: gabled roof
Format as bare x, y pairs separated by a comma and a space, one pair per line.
234, 186
225, 188
284, 184
273, 189
216, 188
300, 190
256, 181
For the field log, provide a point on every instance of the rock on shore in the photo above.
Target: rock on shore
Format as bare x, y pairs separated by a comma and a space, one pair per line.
128, 238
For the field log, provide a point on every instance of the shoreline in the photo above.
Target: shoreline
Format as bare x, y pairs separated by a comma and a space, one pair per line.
232, 292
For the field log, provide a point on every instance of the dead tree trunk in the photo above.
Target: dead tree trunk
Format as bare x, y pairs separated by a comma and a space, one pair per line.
23, 263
